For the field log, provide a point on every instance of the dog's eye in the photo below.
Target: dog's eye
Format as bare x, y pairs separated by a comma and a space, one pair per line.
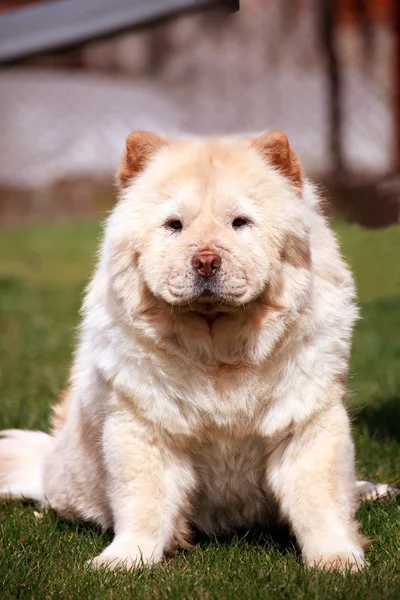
240, 222
174, 224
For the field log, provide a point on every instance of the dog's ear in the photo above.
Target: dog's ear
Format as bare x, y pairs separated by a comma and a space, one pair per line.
140, 147
275, 148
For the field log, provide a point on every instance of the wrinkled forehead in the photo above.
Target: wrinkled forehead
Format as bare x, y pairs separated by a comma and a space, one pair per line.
212, 177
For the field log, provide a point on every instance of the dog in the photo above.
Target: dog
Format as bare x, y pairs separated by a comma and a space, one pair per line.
208, 383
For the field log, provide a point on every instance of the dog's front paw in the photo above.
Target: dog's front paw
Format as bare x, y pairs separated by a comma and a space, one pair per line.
113, 562
351, 561
125, 552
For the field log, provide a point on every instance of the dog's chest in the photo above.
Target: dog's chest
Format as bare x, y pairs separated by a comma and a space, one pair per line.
182, 397
231, 484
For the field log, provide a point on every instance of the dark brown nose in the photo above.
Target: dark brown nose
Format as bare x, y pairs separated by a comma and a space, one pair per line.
206, 263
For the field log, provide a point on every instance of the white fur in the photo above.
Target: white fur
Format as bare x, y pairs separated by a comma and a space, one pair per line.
24, 453
375, 491
174, 418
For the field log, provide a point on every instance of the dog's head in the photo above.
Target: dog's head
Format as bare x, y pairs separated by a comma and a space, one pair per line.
203, 225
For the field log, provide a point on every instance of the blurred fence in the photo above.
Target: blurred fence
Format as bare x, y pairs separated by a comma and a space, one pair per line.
325, 72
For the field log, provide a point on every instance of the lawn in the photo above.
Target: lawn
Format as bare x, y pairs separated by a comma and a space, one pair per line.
43, 271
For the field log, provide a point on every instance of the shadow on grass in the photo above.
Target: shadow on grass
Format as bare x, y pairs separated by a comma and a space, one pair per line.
10, 284
277, 537
382, 421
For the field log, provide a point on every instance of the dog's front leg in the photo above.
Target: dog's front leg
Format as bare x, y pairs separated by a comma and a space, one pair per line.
312, 477
147, 487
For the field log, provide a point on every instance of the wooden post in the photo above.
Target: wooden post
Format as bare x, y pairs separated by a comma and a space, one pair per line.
396, 75
328, 23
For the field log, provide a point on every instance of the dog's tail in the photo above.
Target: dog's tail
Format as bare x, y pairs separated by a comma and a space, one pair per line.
22, 456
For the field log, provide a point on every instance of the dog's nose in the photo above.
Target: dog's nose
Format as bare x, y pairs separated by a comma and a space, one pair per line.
206, 263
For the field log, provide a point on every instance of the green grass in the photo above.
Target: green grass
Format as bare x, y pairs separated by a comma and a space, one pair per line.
43, 271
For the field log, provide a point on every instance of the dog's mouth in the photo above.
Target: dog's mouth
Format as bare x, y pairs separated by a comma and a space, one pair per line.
209, 298
207, 305
211, 303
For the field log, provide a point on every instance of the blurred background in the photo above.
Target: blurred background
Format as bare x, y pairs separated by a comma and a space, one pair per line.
77, 76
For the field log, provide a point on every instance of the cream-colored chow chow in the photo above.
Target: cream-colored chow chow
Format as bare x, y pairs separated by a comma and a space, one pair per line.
208, 383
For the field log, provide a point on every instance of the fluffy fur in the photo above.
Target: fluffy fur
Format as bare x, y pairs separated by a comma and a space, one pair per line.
215, 401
